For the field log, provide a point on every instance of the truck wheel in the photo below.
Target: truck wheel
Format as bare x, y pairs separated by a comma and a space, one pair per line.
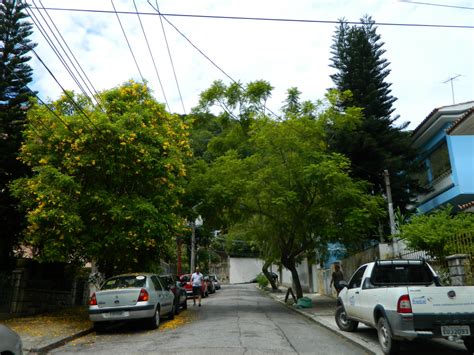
469, 344
387, 343
343, 322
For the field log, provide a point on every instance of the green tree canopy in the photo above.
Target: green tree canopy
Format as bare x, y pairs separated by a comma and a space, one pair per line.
434, 231
357, 56
15, 75
106, 185
290, 195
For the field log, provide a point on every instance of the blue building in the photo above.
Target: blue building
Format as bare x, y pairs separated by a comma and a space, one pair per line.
445, 140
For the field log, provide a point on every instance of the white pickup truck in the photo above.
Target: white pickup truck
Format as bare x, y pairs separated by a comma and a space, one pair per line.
404, 300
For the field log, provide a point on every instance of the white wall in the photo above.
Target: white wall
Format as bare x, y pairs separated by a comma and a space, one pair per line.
244, 269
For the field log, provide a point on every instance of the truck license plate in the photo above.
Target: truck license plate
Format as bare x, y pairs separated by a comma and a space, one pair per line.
447, 330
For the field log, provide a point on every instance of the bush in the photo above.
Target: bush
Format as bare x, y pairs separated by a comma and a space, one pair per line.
262, 280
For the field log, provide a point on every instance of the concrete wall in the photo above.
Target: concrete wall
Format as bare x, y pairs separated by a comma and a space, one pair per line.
244, 269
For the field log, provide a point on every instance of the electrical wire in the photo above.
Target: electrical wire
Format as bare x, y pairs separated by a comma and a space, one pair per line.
269, 19
95, 93
126, 39
151, 55
171, 58
441, 5
64, 91
50, 42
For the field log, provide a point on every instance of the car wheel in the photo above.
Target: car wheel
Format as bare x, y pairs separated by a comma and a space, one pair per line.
343, 322
387, 343
154, 321
469, 344
171, 313
176, 308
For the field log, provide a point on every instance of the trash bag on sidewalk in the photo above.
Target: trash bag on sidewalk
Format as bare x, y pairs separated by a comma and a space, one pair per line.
304, 302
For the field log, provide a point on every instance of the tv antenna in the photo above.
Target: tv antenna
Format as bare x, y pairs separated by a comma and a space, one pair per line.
451, 79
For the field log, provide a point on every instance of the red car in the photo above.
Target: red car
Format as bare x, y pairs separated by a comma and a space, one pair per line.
188, 286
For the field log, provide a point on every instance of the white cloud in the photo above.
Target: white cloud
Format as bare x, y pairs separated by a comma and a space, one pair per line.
283, 53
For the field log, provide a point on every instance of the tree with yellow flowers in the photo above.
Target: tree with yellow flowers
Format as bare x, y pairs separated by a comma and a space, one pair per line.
107, 180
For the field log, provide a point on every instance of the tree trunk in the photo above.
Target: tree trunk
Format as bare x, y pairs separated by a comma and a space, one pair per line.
268, 276
289, 263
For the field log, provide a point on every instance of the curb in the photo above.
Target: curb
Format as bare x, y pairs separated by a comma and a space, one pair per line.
359, 343
61, 342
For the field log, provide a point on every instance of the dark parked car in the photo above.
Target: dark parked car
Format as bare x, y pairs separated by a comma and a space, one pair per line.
180, 298
210, 285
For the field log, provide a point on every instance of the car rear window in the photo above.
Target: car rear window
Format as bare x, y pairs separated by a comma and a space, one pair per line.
185, 278
402, 274
129, 281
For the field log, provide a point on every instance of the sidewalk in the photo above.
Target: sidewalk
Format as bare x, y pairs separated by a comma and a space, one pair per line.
322, 312
41, 333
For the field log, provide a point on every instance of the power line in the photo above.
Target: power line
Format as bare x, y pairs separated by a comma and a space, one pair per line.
64, 90
269, 19
205, 56
56, 51
96, 96
126, 39
151, 55
441, 5
169, 54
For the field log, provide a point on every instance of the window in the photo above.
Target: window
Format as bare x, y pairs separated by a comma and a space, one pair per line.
156, 283
439, 161
396, 274
124, 282
356, 279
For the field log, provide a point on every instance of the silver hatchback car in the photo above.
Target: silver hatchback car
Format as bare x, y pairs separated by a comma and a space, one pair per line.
130, 297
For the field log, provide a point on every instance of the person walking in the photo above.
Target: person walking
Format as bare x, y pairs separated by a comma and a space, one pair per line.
337, 276
196, 281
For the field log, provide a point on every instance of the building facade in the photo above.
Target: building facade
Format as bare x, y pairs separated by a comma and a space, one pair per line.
445, 140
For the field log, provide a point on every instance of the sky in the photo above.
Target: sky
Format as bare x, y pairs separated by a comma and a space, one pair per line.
284, 53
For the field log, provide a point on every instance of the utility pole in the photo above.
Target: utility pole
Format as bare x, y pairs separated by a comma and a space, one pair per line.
391, 215
452, 87
193, 245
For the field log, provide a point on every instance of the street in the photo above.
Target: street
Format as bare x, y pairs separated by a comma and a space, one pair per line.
238, 319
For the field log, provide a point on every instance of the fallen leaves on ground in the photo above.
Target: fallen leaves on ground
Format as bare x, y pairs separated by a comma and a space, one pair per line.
62, 322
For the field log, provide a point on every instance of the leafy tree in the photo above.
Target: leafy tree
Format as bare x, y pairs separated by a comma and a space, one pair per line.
361, 69
105, 184
292, 194
15, 75
432, 232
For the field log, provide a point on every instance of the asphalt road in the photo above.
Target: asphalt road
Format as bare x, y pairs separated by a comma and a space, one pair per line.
238, 319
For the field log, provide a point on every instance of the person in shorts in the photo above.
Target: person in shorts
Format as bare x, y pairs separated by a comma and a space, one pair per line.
196, 281
337, 276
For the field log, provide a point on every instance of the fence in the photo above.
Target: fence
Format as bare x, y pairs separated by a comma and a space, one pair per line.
457, 244
21, 295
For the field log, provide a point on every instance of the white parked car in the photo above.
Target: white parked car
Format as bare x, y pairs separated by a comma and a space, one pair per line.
403, 300
10, 342
129, 297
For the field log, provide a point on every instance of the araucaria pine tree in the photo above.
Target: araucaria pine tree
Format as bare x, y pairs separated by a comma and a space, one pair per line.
15, 74
377, 143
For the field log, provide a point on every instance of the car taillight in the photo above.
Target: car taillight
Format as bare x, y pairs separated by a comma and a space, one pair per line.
93, 300
143, 295
404, 305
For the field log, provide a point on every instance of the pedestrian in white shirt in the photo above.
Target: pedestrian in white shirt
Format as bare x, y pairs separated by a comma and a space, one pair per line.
196, 280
